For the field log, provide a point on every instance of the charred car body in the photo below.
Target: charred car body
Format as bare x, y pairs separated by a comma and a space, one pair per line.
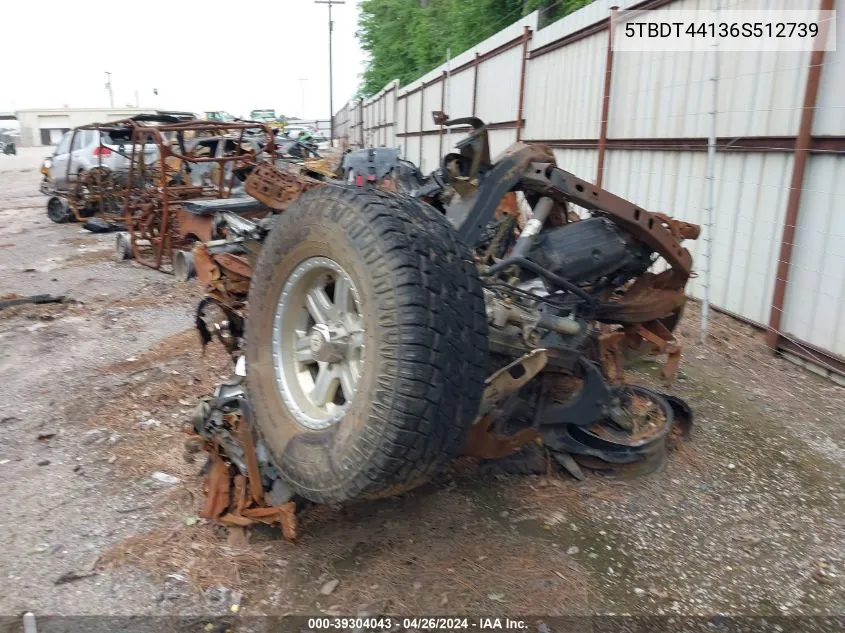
160, 179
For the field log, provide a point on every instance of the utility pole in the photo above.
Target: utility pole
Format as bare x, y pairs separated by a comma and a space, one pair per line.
108, 87
331, 96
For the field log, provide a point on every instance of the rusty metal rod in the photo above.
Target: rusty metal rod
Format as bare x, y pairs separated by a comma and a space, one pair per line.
802, 144
605, 102
520, 108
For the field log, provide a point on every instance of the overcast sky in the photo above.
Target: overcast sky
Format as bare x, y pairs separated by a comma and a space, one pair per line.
234, 56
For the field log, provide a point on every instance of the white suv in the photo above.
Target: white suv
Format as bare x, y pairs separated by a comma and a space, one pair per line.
81, 150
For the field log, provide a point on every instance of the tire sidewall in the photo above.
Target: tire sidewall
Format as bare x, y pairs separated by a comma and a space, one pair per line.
59, 217
302, 454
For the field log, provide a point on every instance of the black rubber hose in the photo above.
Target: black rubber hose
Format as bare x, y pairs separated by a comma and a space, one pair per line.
539, 270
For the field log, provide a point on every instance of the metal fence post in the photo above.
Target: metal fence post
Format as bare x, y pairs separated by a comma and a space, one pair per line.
710, 211
605, 103
793, 203
526, 37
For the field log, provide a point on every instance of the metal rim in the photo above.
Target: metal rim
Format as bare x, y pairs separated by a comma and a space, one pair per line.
318, 342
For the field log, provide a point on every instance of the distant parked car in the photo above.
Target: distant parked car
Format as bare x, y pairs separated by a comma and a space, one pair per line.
82, 150
316, 137
221, 116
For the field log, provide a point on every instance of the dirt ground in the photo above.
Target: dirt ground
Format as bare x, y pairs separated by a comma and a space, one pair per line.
745, 519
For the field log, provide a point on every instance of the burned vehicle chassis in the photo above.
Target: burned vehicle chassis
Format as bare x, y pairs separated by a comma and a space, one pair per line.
563, 300
159, 217
157, 203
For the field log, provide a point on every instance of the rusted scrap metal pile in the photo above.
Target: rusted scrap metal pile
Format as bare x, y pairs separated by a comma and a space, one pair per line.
161, 181
476, 313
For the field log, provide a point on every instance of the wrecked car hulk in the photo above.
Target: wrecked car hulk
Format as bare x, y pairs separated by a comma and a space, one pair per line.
160, 179
476, 315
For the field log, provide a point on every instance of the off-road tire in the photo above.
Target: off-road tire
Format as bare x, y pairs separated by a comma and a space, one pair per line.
425, 351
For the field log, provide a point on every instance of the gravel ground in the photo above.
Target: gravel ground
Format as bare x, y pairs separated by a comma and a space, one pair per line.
746, 519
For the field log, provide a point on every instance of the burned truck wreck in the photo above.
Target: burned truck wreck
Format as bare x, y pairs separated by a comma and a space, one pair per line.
475, 314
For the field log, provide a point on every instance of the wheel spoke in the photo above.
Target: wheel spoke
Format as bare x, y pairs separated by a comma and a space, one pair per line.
347, 381
319, 339
356, 340
318, 305
303, 349
325, 386
341, 295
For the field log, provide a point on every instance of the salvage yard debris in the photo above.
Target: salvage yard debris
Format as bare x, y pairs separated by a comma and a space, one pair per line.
372, 274
7, 301
161, 178
559, 302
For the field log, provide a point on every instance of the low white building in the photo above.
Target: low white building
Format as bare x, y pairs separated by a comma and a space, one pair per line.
45, 127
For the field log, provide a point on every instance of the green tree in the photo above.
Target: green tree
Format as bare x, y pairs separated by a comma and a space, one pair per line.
407, 38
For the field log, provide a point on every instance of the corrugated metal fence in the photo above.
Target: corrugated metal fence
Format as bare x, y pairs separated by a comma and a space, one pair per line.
778, 234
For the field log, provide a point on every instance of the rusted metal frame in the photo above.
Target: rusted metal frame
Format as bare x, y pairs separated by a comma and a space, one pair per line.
474, 83
797, 347
643, 225
67, 173
442, 109
127, 216
422, 112
793, 203
162, 243
402, 134
184, 126
361, 130
811, 353
482, 57
592, 29
605, 102
156, 244
501, 125
520, 108
818, 144
479, 58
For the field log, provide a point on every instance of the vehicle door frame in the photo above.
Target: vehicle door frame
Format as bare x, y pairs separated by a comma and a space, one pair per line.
75, 162
60, 161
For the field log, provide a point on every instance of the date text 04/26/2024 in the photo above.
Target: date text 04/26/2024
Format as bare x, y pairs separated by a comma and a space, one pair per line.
417, 624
